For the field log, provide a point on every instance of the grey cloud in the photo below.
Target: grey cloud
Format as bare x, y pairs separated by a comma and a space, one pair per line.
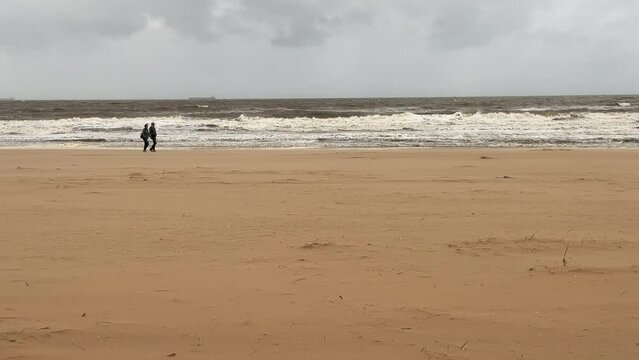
314, 28
189, 17
31, 23
26, 24
305, 23
445, 24
461, 27
300, 33
243, 48
465, 23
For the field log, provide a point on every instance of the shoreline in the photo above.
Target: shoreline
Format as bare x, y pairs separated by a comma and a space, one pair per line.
407, 148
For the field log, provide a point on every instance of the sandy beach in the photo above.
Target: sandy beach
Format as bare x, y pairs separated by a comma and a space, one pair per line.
319, 254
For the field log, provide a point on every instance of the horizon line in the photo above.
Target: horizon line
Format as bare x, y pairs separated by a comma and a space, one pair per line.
14, 99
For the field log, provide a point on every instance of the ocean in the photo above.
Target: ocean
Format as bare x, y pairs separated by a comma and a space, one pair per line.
559, 121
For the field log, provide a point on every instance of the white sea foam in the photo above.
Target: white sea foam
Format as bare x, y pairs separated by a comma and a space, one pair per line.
405, 129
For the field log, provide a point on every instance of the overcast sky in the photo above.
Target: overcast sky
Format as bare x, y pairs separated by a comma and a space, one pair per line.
316, 48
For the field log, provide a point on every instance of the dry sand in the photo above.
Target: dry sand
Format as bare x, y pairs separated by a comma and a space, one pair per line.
398, 254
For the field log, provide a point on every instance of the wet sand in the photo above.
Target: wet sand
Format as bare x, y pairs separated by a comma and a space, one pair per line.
295, 254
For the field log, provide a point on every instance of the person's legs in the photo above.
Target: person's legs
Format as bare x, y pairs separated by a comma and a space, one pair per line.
154, 142
146, 144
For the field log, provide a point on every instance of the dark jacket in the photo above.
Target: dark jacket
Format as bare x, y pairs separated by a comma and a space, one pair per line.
145, 134
152, 132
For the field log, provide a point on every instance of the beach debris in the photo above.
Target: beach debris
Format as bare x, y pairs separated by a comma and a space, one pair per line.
317, 244
563, 260
463, 346
171, 355
340, 296
298, 280
507, 177
485, 157
79, 346
528, 238
26, 283
84, 314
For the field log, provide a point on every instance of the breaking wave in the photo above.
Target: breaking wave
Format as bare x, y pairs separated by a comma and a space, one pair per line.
588, 129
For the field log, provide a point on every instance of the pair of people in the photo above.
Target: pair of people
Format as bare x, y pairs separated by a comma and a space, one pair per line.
149, 132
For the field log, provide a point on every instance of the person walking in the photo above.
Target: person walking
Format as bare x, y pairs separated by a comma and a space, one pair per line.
153, 134
145, 136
